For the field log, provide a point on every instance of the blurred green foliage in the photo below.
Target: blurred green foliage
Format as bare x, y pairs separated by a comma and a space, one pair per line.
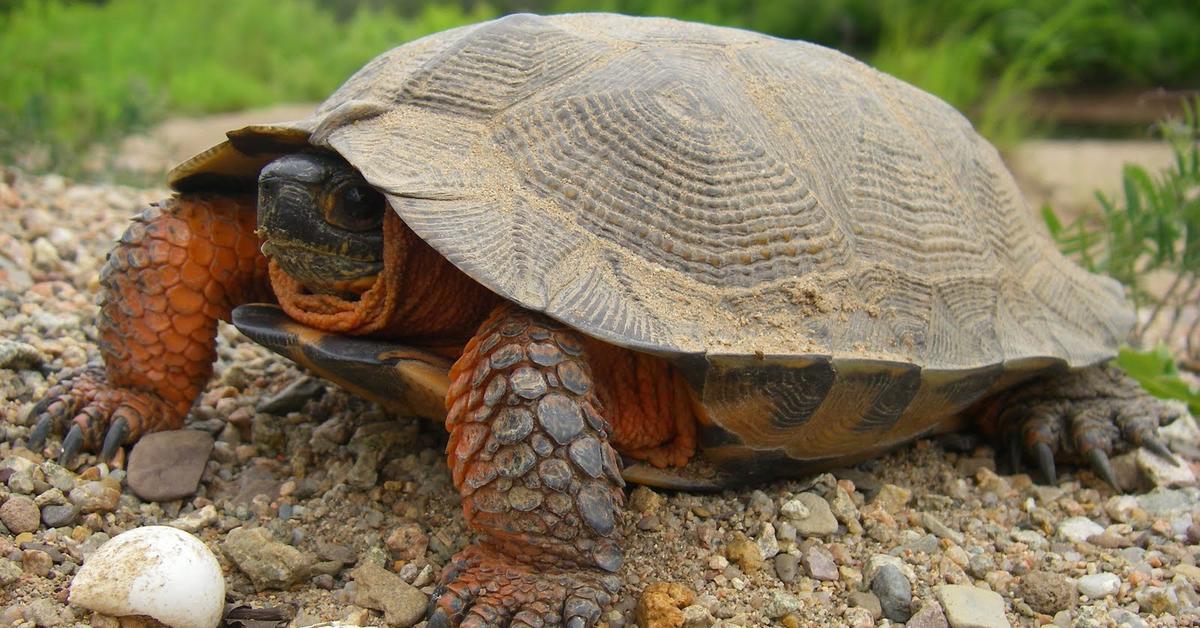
78, 73
81, 72
1153, 226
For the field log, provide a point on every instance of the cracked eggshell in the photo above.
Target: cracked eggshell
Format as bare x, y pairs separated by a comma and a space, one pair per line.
157, 571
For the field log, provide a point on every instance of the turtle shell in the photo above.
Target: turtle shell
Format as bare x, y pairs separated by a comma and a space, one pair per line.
833, 257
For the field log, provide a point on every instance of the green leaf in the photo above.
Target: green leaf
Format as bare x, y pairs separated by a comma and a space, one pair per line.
1155, 370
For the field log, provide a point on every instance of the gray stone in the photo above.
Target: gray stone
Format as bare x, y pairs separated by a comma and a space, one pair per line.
1079, 529
1099, 585
293, 397
167, 465
1161, 472
786, 567
943, 531
894, 593
1164, 502
10, 572
767, 543
402, 604
268, 563
196, 520
1122, 618
57, 516
819, 519
1157, 600
20, 482
761, 503
818, 562
19, 514
780, 604
1047, 592
972, 607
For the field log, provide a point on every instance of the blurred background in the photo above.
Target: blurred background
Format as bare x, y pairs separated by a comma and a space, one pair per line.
77, 73
1081, 96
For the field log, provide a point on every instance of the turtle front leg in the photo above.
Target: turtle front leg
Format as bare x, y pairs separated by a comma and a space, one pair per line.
181, 265
529, 453
1084, 415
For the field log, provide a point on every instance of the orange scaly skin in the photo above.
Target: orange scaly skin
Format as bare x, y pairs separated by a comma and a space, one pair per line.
181, 266
529, 453
652, 408
418, 295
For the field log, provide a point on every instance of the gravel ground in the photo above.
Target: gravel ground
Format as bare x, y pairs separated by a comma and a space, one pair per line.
323, 508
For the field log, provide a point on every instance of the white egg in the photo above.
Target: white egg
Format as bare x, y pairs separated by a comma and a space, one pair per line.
157, 571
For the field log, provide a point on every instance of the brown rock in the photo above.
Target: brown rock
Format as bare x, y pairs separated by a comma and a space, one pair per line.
745, 553
20, 514
930, 616
662, 604
402, 604
1047, 592
167, 465
407, 542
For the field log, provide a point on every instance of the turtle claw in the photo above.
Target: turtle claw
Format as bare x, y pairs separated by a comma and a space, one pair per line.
1103, 468
117, 433
1158, 448
71, 446
1045, 460
37, 437
1082, 417
482, 587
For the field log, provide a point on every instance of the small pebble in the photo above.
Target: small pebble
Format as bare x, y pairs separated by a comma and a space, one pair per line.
1047, 592
972, 607
59, 516
818, 520
894, 592
20, 514
786, 568
168, 465
95, 496
1079, 529
1097, 586
269, 563
818, 563
930, 616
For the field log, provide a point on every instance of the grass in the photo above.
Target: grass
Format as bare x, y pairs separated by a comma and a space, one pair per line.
76, 74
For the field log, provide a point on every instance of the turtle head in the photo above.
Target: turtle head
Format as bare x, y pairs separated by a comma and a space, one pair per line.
321, 221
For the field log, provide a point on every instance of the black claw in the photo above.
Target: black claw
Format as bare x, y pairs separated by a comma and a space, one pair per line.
1045, 460
71, 446
438, 619
1102, 468
1014, 452
37, 437
1159, 449
117, 433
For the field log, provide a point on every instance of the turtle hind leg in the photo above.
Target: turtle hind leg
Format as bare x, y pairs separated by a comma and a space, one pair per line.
1082, 416
529, 453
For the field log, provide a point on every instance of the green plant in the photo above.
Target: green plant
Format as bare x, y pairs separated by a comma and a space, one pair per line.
77, 74
1153, 227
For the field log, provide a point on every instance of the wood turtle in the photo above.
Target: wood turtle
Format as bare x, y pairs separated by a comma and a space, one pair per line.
579, 235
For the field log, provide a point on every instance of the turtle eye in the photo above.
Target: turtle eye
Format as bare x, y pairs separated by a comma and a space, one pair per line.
357, 208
